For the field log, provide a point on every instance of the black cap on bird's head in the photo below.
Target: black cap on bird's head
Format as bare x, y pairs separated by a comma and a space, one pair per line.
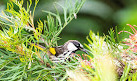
74, 45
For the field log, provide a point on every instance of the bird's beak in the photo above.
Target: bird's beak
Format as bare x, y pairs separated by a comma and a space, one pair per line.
84, 50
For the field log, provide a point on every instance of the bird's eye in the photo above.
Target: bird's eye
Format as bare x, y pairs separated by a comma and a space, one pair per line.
77, 45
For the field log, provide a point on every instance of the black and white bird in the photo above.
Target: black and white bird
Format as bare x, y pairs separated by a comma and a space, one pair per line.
61, 53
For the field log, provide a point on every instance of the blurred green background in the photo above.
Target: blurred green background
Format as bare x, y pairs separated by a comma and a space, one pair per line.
96, 15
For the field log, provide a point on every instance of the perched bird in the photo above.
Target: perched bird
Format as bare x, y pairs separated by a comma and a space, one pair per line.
61, 53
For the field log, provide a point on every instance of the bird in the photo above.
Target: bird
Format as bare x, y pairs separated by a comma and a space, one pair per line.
62, 53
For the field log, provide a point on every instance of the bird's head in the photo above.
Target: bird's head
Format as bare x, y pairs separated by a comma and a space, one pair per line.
74, 45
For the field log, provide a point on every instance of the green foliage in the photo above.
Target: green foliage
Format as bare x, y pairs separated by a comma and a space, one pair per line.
22, 58
24, 46
55, 26
125, 73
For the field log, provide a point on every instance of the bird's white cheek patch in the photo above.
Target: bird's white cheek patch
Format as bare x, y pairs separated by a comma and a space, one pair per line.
71, 47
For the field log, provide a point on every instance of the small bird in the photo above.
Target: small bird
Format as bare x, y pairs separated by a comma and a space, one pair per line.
61, 53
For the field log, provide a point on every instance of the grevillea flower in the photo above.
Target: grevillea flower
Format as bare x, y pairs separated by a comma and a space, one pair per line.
132, 40
128, 56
